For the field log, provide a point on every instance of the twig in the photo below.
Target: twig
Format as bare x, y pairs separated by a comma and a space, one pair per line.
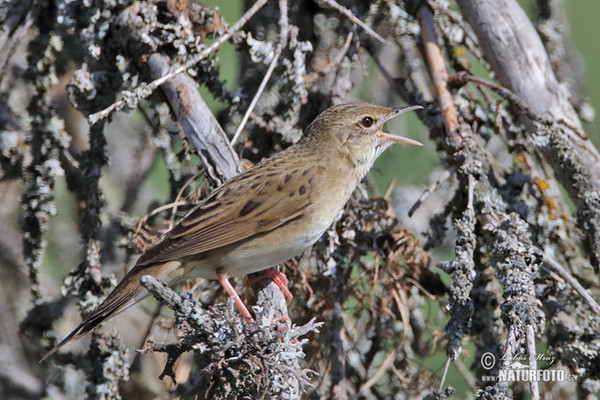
444, 176
446, 367
398, 89
143, 219
461, 78
283, 38
533, 384
552, 264
146, 90
470, 194
348, 14
18, 19
385, 365
180, 196
462, 271
162, 292
338, 390
201, 128
438, 72
313, 76
388, 191
520, 62
466, 374
148, 332
164, 207
425, 292
144, 160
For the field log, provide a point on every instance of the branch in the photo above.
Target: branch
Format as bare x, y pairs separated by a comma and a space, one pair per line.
553, 265
199, 125
438, 72
208, 138
512, 253
348, 14
338, 389
283, 38
264, 354
146, 90
517, 55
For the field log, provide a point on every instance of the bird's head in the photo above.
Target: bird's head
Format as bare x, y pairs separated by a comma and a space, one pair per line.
356, 128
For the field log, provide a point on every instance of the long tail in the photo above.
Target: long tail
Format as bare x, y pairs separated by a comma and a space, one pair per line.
124, 294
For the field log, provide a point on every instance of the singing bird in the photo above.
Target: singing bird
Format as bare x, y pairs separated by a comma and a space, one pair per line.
267, 214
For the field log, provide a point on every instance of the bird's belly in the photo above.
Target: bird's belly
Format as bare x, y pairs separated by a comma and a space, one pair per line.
254, 257
267, 250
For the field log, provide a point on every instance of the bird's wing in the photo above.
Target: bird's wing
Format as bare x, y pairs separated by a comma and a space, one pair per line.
241, 208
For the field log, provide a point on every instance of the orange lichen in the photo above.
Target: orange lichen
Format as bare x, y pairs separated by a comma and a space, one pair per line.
551, 205
541, 184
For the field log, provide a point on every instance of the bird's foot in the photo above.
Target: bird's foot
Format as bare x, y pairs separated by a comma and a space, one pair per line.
236, 298
276, 276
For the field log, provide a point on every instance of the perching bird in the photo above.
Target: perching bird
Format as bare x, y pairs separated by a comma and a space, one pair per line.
265, 215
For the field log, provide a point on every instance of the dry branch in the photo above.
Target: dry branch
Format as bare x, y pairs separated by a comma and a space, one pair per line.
519, 59
263, 356
368, 276
512, 253
146, 90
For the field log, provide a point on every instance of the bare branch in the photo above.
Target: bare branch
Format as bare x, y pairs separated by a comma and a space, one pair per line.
438, 71
201, 128
563, 273
348, 14
283, 37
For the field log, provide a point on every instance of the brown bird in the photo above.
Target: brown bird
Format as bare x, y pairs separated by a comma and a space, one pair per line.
265, 215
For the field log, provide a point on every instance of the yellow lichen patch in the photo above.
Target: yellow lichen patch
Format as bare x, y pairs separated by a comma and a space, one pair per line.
459, 51
551, 205
541, 184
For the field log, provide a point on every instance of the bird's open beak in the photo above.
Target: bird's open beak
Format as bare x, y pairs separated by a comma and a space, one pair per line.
385, 137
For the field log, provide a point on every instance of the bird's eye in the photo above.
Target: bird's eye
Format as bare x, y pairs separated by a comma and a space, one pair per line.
367, 122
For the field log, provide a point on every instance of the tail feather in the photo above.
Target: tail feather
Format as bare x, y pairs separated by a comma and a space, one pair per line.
124, 294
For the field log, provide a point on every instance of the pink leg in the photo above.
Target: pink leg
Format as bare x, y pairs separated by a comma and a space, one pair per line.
276, 276
238, 302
